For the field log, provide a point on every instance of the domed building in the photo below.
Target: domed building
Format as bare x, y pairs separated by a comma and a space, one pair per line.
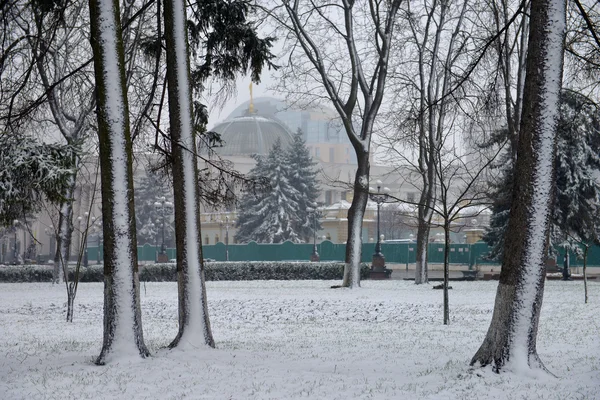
250, 134
254, 126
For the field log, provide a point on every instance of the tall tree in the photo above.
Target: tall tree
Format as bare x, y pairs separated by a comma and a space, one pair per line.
303, 177
56, 37
194, 324
122, 314
511, 337
269, 215
349, 63
428, 96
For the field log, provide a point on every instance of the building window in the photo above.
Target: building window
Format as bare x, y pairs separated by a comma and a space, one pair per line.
317, 152
410, 197
331, 155
206, 240
328, 197
216, 239
344, 196
328, 236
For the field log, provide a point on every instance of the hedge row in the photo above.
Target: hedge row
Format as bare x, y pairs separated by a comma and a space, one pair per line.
214, 271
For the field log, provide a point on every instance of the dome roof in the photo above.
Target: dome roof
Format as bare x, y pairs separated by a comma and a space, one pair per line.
250, 134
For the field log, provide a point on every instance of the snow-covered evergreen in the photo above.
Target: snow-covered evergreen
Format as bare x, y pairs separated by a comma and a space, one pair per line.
577, 190
268, 216
29, 173
577, 198
303, 177
148, 189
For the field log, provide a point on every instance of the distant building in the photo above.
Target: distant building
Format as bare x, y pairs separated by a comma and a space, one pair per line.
253, 127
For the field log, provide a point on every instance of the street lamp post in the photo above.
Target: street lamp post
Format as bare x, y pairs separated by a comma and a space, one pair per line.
98, 230
162, 204
98, 248
378, 270
16, 250
227, 224
51, 246
411, 236
83, 236
24, 245
314, 257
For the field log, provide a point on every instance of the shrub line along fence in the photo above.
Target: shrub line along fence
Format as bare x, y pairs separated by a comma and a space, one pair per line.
214, 271
397, 253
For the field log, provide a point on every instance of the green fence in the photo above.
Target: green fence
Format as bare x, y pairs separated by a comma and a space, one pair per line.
398, 253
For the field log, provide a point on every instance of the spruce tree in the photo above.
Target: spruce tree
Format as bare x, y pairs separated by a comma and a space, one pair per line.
575, 215
31, 172
303, 177
148, 189
577, 194
268, 216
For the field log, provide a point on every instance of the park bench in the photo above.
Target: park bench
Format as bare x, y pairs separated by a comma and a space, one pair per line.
470, 274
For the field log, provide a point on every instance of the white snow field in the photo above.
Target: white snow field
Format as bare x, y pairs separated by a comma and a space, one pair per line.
293, 340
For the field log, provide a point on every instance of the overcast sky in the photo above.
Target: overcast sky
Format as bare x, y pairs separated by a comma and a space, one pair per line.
267, 80
217, 115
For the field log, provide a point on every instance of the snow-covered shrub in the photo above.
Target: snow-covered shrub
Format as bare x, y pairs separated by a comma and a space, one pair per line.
214, 271
257, 270
26, 273
158, 272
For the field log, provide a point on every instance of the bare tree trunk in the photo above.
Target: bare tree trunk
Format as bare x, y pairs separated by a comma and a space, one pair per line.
356, 214
122, 313
585, 288
434, 83
426, 204
512, 335
446, 272
194, 323
367, 81
63, 237
70, 301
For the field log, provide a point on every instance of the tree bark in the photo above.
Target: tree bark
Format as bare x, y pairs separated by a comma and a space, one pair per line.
194, 323
70, 301
511, 337
122, 313
63, 237
426, 204
356, 213
585, 288
446, 273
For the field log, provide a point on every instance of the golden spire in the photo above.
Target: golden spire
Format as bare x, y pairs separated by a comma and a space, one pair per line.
251, 106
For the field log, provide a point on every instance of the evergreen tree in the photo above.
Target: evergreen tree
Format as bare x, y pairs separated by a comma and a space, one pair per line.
303, 177
268, 216
501, 193
31, 172
577, 194
576, 202
148, 189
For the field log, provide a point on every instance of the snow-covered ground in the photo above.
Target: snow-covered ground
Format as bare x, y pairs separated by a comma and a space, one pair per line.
296, 339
